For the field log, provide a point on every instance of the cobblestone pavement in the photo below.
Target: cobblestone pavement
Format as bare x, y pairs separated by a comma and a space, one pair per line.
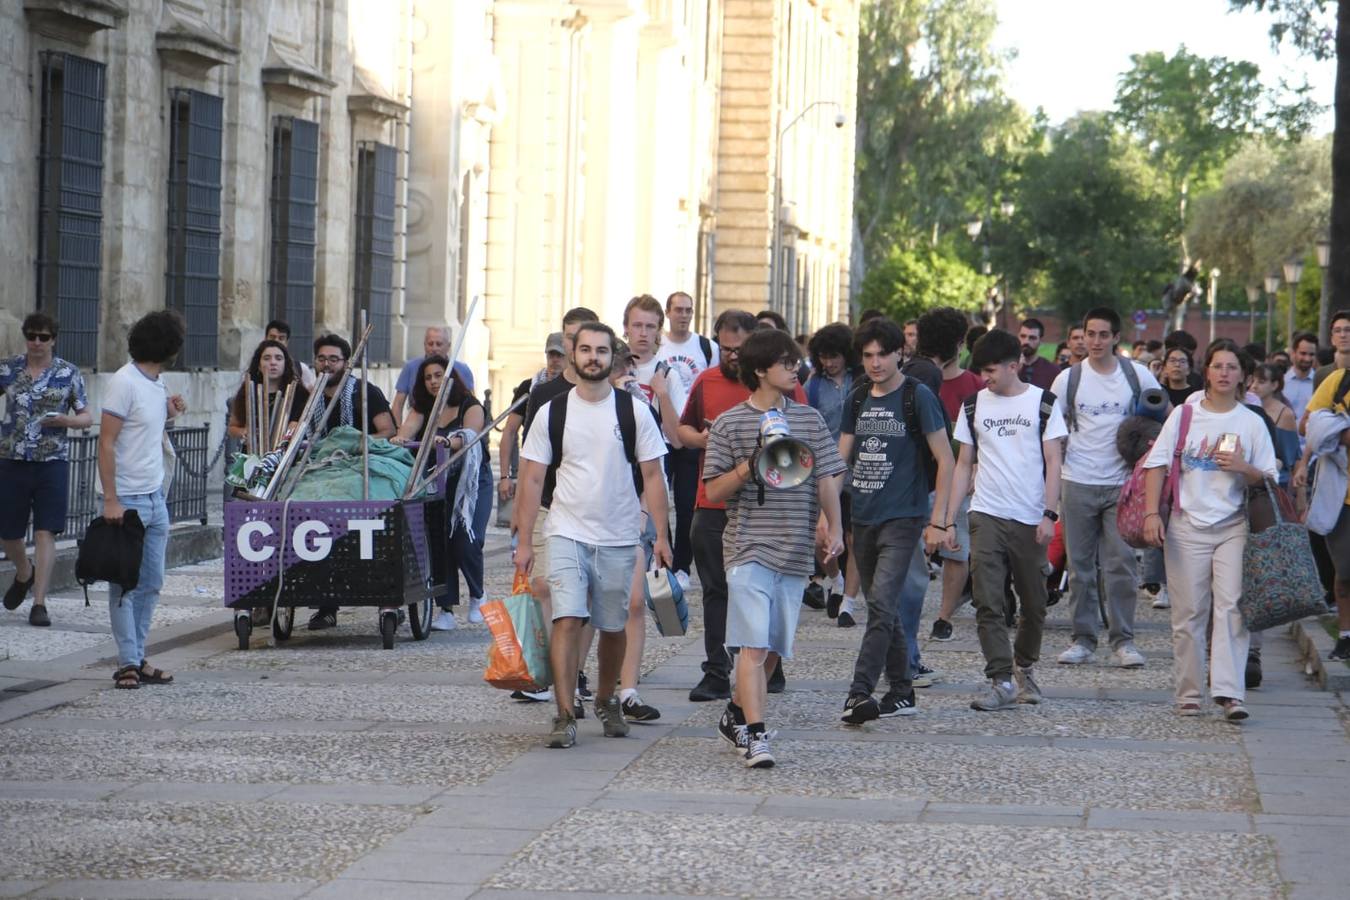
329, 767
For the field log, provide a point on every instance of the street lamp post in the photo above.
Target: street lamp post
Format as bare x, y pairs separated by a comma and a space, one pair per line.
1323, 304
1272, 287
1213, 300
774, 263
1293, 274
1253, 294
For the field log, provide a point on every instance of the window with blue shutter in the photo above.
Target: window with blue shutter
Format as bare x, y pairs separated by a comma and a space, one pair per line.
192, 270
294, 208
70, 200
374, 281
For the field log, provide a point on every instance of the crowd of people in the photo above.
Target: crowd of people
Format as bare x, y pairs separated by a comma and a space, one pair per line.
931, 449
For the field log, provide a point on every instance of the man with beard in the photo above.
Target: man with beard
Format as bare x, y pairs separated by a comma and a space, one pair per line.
1077, 344
591, 532
1034, 368
715, 391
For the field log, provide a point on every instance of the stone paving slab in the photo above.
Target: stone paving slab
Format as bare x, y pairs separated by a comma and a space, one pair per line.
958, 773
191, 841
593, 849
950, 713
336, 758
21, 641
177, 889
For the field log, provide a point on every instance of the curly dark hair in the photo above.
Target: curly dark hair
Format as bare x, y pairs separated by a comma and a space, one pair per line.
156, 337
940, 332
762, 350
422, 400
835, 339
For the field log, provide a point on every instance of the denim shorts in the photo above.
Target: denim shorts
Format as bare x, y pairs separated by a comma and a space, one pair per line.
591, 582
762, 608
962, 551
37, 488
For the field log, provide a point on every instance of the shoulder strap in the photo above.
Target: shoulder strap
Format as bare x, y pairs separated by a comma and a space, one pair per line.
856, 400
1047, 407
557, 420
1071, 395
706, 346
623, 407
1342, 388
1133, 378
1174, 471
969, 406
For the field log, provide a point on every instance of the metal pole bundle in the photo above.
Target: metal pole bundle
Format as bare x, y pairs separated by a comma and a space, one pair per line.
365, 414
429, 426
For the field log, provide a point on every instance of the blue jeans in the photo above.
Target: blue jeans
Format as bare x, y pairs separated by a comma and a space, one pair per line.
912, 594
130, 612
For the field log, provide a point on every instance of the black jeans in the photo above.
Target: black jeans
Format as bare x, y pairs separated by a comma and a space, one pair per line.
706, 536
683, 466
884, 553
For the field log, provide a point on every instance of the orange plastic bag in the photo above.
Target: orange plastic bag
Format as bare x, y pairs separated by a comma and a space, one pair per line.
518, 657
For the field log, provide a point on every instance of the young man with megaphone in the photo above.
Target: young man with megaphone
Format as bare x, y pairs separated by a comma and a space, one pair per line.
774, 464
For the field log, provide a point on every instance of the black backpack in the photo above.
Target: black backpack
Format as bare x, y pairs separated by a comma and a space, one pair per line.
623, 407
910, 412
112, 553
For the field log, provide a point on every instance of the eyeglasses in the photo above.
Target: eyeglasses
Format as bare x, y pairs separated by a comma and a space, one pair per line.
1340, 330
729, 351
789, 363
330, 359
40, 336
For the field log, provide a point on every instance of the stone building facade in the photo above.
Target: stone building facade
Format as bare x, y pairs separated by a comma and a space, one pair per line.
307, 159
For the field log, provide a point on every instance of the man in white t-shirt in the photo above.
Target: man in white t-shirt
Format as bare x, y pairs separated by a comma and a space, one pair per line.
1094, 397
136, 408
1015, 430
592, 524
687, 353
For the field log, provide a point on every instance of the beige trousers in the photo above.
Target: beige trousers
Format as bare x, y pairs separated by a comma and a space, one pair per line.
1204, 570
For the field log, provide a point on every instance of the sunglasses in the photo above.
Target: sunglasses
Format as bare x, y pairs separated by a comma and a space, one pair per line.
39, 336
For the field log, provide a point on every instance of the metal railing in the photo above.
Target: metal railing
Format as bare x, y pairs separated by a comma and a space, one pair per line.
187, 494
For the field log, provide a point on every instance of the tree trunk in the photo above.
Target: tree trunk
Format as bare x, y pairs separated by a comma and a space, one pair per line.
1340, 165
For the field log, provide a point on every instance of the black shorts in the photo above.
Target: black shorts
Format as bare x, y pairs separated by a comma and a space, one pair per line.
36, 489
1338, 545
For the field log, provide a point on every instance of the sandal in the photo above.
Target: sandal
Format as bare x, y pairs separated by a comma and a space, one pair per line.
150, 675
126, 679
1188, 709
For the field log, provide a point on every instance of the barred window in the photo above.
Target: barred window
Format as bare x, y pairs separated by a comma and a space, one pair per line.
374, 281
192, 268
294, 208
70, 200
704, 280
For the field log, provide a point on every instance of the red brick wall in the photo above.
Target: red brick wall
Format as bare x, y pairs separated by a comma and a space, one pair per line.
1230, 325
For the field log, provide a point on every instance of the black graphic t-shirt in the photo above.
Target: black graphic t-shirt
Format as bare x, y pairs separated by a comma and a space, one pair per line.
888, 479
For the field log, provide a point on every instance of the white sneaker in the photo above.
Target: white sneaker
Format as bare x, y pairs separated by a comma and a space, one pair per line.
475, 611
1128, 658
1161, 600
683, 578
444, 621
1076, 655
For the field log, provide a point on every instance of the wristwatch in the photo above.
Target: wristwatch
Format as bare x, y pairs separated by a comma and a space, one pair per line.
1050, 514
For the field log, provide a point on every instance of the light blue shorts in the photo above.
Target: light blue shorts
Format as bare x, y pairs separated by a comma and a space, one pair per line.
590, 582
762, 608
962, 552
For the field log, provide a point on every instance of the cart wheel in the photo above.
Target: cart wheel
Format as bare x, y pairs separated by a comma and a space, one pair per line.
419, 618
388, 625
243, 626
283, 623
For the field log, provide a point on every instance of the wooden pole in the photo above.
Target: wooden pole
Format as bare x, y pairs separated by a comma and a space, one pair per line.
293, 448
436, 472
365, 415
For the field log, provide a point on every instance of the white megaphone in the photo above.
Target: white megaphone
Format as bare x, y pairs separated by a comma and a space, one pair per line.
783, 461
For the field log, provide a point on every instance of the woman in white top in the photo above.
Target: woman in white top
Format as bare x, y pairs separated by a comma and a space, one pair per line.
1227, 448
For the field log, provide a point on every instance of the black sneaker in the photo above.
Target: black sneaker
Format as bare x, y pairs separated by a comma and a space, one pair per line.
832, 605
846, 619
942, 630
584, 688
38, 615
1252, 675
635, 710
922, 676
711, 687
895, 704
19, 589
814, 596
733, 734
777, 681
321, 620
757, 755
1341, 650
860, 709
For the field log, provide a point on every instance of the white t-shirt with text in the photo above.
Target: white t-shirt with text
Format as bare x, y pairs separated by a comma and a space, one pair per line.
1009, 483
594, 501
686, 360
1209, 494
1103, 402
142, 405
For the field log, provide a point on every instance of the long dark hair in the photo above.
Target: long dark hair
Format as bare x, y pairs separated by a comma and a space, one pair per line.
422, 399
289, 374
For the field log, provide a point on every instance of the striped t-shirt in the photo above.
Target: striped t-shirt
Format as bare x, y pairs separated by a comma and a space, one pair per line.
781, 534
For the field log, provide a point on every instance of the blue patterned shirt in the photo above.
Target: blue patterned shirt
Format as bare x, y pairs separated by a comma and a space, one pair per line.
58, 389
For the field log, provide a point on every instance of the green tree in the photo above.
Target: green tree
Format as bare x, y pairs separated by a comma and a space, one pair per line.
931, 114
1192, 113
908, 281
1093, 222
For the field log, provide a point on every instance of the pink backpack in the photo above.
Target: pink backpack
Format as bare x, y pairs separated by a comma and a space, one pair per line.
1130, 510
